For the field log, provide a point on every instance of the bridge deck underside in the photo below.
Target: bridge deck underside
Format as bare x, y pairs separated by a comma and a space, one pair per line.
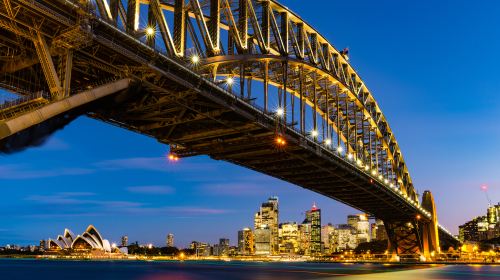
197, 125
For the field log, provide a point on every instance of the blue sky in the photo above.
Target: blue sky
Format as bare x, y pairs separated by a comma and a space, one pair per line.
431, 65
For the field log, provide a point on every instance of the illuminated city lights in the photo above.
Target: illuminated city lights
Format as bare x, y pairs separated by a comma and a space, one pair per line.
229, 80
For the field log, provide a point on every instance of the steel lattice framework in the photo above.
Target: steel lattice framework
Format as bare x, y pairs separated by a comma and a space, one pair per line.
205, 77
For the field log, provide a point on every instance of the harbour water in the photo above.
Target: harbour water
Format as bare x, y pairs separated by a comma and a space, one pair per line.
24, 269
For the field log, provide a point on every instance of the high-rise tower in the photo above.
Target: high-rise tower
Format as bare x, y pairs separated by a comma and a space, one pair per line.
268, 217
313, 217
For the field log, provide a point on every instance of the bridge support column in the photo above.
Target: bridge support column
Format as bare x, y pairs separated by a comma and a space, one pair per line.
404, 239
430, 230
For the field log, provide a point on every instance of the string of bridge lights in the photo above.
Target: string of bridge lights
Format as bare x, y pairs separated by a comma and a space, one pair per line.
280, 140
280, 112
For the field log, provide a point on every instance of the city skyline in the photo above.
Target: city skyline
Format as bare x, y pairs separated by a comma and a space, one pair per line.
75, 179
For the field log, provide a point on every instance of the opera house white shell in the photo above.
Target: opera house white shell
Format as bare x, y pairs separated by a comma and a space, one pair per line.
91, 239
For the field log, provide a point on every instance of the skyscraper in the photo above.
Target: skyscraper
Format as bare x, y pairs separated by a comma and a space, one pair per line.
223, 247
493, 214
246, 242
262, 237
326, 232
305, 239
268, 216
289, 238
124, 241
361, 225
313, 217
170, 240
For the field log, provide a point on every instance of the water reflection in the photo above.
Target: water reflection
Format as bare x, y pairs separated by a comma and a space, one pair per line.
133, 270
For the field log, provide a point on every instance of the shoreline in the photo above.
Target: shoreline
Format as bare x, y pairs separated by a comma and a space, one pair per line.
169, 259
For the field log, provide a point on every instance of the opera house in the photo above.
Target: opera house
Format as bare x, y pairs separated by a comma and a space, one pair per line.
89, 241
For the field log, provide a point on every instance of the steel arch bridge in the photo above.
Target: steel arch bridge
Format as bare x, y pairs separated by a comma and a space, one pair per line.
245, 81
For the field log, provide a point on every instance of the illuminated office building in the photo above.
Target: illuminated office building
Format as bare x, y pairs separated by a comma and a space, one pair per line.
289, 238
246, 242
313, 217
170, 240
268, 216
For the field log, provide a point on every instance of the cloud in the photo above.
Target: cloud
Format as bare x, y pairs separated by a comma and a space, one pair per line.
160, 164
142, 163
74, 199
54, 144
151, 189
20, 172
236, 189
176, 211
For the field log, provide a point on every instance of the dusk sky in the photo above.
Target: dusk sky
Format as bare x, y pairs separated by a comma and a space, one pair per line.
433, 67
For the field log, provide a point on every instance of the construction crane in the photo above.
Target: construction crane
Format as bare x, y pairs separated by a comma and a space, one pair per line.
484, 188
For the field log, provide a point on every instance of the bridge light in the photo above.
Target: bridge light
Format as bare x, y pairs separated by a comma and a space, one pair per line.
367, 168
229, 80
418, 217
280, 112
349, 156
314, 133
386, 181
339, 149
150, 31
173, 157
374, 172
380, 177
359, 162
195, 59
328, 142
391, 185
280, 141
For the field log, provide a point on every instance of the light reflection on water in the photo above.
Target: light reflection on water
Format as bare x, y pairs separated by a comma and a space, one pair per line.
211, 270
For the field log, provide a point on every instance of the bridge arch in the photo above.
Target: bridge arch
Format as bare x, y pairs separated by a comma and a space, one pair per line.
229, 37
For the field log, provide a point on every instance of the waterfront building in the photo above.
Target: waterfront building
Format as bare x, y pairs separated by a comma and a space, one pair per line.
493, 214
361, 225
170, 240
305, 239
381, 232
474, 230
482, 227
201, 249
124, 240
246, 242
326, 235
89, 241
223, 247
373, 231
289, 238
42, 245
313, 217
268, 216
262, 236
344, 238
